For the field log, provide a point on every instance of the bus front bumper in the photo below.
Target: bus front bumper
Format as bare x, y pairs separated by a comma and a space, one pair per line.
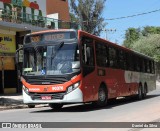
76, 96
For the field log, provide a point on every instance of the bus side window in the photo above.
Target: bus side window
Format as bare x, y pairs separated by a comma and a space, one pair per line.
143, 65
122, 59
138, 64
102, 55
129, 62
135, 62
148, 67
153, 67
112, 57
88, 55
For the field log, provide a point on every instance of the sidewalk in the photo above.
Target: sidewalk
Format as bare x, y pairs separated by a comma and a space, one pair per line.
10, 101
13, 101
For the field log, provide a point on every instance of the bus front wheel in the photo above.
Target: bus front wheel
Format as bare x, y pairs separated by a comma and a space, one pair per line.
56, 106
31, 106
102, 97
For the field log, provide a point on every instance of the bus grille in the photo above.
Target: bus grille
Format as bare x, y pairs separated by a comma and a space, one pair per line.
37, 96
46, 81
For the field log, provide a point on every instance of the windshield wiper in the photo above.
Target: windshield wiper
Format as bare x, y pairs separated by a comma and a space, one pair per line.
60, 45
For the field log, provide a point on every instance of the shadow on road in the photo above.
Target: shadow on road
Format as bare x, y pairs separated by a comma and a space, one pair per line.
89, 107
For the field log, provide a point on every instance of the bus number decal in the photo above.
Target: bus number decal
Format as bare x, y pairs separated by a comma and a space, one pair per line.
57, 88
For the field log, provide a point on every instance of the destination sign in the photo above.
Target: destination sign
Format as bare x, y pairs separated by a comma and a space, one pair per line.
50, 37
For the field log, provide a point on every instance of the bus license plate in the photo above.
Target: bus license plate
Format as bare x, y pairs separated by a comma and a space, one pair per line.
46, 97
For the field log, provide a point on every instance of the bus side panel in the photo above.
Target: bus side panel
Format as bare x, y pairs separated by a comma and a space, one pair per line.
90, 85
149, 79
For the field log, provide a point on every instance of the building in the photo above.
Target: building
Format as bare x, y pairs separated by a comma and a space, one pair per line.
62, 13
17, 18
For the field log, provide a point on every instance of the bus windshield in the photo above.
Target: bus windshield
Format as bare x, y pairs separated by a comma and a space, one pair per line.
51, 59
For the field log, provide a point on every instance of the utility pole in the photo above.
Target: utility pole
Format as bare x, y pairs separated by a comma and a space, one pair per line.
108, 30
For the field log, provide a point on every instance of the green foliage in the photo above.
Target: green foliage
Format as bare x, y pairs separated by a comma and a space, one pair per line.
73, 17
132, 35
89, 14
150, 30
149, 45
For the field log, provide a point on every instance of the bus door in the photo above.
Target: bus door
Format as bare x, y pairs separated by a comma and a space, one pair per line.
88, 69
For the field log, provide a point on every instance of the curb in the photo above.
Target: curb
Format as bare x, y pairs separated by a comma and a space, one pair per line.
18, 106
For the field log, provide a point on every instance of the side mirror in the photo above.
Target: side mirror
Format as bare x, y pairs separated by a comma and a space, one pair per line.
17, 58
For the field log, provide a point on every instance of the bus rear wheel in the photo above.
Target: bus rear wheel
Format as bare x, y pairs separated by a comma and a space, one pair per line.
56, 106
140, 94
145, 91
102, 97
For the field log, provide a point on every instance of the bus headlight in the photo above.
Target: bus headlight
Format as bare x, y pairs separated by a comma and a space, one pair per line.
73, 87
26, 90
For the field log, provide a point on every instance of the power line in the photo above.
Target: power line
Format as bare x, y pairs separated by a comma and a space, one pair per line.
124, 17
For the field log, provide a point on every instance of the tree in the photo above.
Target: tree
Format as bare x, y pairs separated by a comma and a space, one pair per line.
132, 35
150, 46
89, 14
150, 30
73, 17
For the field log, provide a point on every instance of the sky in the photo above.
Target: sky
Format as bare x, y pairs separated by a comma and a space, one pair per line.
120, 8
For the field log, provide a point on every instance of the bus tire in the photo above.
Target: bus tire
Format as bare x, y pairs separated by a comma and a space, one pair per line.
31, 106
102, 97
145, 91
56, 106
140, 94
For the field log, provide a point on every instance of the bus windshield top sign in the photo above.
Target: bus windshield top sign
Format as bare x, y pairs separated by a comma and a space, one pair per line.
50, 36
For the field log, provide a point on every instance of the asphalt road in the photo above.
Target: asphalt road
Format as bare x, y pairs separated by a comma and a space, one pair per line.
123, 110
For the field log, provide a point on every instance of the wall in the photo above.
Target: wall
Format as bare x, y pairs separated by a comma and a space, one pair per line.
58, 6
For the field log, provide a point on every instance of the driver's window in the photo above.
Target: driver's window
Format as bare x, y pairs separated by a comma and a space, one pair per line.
88, 52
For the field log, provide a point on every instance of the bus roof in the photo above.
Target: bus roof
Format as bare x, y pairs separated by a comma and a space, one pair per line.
95, 37
115, 45
48, 31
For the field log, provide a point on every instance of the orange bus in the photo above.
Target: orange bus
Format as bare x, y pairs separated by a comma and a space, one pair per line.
67, 66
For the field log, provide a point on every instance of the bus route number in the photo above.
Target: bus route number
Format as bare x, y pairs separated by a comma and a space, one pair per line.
51, 37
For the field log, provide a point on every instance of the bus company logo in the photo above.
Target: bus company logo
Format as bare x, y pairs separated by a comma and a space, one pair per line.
57, 88
45, 89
